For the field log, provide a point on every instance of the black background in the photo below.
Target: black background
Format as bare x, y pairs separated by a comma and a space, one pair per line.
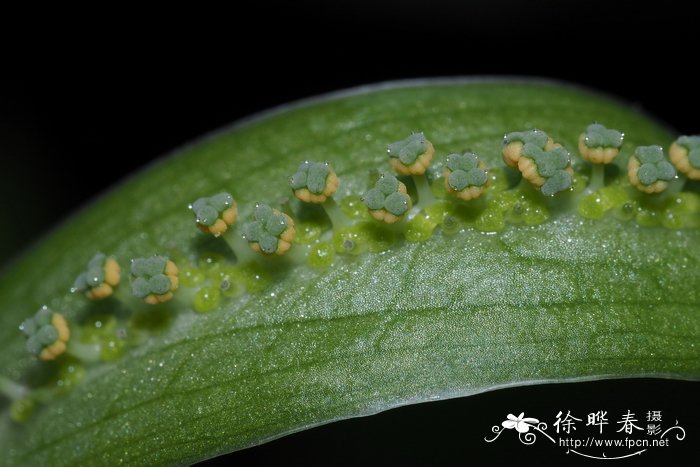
106, 92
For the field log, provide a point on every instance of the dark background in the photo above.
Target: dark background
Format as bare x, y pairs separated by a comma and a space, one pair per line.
104, 93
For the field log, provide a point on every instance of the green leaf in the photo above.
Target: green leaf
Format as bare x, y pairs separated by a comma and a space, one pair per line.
567, 299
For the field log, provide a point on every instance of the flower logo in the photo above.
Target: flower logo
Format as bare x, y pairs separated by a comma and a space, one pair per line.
522, 425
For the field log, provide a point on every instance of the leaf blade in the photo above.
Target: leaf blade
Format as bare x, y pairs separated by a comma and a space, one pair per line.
289, 361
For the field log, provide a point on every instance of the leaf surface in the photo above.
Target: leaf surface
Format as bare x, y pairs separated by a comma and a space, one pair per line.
568, 299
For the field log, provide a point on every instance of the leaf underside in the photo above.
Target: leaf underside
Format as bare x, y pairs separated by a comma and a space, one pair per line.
451, 316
